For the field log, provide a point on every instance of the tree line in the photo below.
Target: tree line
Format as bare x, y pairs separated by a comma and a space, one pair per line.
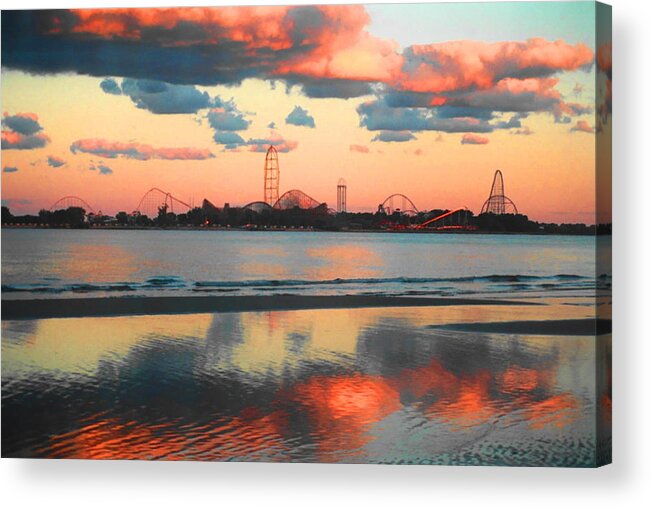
316, 218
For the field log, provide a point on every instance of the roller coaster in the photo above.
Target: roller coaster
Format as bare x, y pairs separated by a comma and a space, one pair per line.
497, 203
398, 203
296, 199
72, 201
258, 206
155, 199
455, 219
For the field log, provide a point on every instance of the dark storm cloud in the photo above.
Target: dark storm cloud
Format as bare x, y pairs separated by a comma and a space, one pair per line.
22, 131
227, 119
25, 124
429, 111
163, 98
512, 123
13, 141
229, 138
456, 86
178, 46
388, 136
101, 169
29, 44
464, 112
393, 98
232, 141
53, 161
322, 88
300, 117
504, 101
376, 115
110, 86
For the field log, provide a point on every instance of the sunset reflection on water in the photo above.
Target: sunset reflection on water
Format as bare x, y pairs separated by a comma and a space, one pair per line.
344, 261
366, 385
59, 264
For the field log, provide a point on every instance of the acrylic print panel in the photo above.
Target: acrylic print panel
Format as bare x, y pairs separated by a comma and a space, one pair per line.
343, 233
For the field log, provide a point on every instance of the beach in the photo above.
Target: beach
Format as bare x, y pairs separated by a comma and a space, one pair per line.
305, 348
165, 305
391, 384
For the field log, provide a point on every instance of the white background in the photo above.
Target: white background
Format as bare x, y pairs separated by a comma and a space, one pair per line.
626, 482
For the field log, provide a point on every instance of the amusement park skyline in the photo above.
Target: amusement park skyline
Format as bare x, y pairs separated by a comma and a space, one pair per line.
107, 104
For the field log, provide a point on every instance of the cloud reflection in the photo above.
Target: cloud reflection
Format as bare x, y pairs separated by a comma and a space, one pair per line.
369, 385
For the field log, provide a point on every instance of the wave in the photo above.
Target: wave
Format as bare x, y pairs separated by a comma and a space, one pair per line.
449, 286
157, 282
377, 281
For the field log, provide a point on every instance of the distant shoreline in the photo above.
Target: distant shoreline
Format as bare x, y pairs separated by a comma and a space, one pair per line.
246, 229
21, 309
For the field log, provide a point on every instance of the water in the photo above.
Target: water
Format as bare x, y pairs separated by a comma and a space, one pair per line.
353, 386
368, 385
70, 263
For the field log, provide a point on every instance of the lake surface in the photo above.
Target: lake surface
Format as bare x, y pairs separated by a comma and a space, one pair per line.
65, 263
352, 386
372, 385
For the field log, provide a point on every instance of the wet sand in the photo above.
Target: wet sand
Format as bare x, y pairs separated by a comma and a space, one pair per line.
566, 327
122, 306
173, 305
365, 385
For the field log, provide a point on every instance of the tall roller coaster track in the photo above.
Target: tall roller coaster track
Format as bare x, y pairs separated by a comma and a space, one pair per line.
72, 201
296, 199
497, 203
398, 203
155, 198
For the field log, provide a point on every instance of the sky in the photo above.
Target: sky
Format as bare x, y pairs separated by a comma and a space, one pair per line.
427, 100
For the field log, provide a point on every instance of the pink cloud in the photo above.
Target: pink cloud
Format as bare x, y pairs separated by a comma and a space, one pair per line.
582, 126
331, 42
533, 94
22, 131
137, 151
14, 141
10, 137
276, 140
464, 65
254, 26
326, 49
324, 41
473, 139
359, 148
262, 27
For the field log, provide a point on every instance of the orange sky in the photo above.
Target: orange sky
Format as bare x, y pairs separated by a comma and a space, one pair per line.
548, 166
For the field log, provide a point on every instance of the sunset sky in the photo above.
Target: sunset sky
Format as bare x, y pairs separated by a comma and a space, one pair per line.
423, 99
